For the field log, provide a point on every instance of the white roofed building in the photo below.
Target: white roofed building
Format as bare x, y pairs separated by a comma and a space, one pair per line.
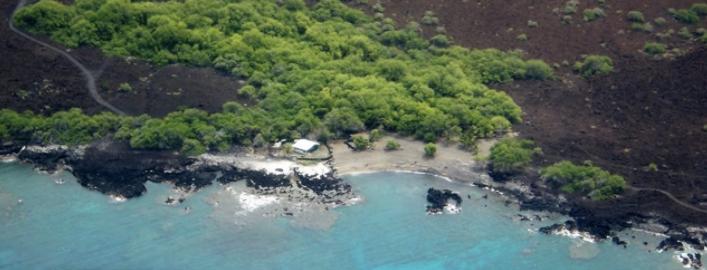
305, 146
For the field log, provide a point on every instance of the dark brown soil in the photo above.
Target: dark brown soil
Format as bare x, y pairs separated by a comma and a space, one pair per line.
646, 112
38, 79
497, 24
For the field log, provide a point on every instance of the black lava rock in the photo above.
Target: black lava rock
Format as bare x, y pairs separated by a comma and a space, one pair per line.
438, 199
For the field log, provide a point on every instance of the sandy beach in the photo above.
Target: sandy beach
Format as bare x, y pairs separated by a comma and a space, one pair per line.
450, 161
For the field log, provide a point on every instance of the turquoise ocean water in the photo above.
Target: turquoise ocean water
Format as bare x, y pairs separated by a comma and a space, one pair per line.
64, 226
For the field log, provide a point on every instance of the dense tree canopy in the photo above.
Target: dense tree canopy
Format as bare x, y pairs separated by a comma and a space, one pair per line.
584, 179
316, 69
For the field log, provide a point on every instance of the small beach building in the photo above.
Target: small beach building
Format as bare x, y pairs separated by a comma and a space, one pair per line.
303, 146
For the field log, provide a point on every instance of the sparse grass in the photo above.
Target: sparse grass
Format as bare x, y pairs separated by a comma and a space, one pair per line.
594, 65
684, 15
593, 14
655, 48
635, 16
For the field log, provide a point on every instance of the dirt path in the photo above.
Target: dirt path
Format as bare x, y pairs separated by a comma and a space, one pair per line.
671, 197
90, 78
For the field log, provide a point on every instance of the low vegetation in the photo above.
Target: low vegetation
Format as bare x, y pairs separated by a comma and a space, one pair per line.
430, 150
586, 180
687, 16
594, 65
361, 143
699, 8
593, 14
512, 155
317, 70
392, 145
635, 16
655, 48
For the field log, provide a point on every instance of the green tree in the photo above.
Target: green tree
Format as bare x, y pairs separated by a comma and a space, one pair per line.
585, 179
511, 155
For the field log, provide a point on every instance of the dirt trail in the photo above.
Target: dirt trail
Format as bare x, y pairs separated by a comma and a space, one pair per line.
670, 196
90, 78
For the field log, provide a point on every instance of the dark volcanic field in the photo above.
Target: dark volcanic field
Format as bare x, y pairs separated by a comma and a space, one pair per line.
35, 78
647, 111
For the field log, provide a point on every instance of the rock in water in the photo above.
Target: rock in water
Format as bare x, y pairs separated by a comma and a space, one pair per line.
440, 199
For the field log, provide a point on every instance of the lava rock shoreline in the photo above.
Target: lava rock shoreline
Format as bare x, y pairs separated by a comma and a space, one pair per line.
114, 169
602, 227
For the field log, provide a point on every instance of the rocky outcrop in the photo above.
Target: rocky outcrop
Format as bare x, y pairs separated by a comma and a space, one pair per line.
438, 200
116, 169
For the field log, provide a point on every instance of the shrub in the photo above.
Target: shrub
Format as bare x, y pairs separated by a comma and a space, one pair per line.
430, 150
685, 16
191, 147
685, 33
511, 155
125, 87
654, 48
635, 16
570, 7
392, 145
430, 18
360, 143
378, 7
440, 40
593, 14
643, 27
537, 70
660, 21
532, 24
652, 167
699, 9
586, 180
703, 38
594, 65
375, 135
522, 37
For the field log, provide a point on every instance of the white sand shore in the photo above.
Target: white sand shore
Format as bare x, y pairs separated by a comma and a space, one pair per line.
450, 161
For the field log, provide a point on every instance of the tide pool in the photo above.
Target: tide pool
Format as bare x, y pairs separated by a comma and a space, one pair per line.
45, 225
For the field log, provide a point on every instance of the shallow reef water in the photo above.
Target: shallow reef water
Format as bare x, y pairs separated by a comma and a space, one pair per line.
50, 224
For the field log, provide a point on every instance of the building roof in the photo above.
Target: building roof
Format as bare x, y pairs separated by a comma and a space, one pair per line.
305, 145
